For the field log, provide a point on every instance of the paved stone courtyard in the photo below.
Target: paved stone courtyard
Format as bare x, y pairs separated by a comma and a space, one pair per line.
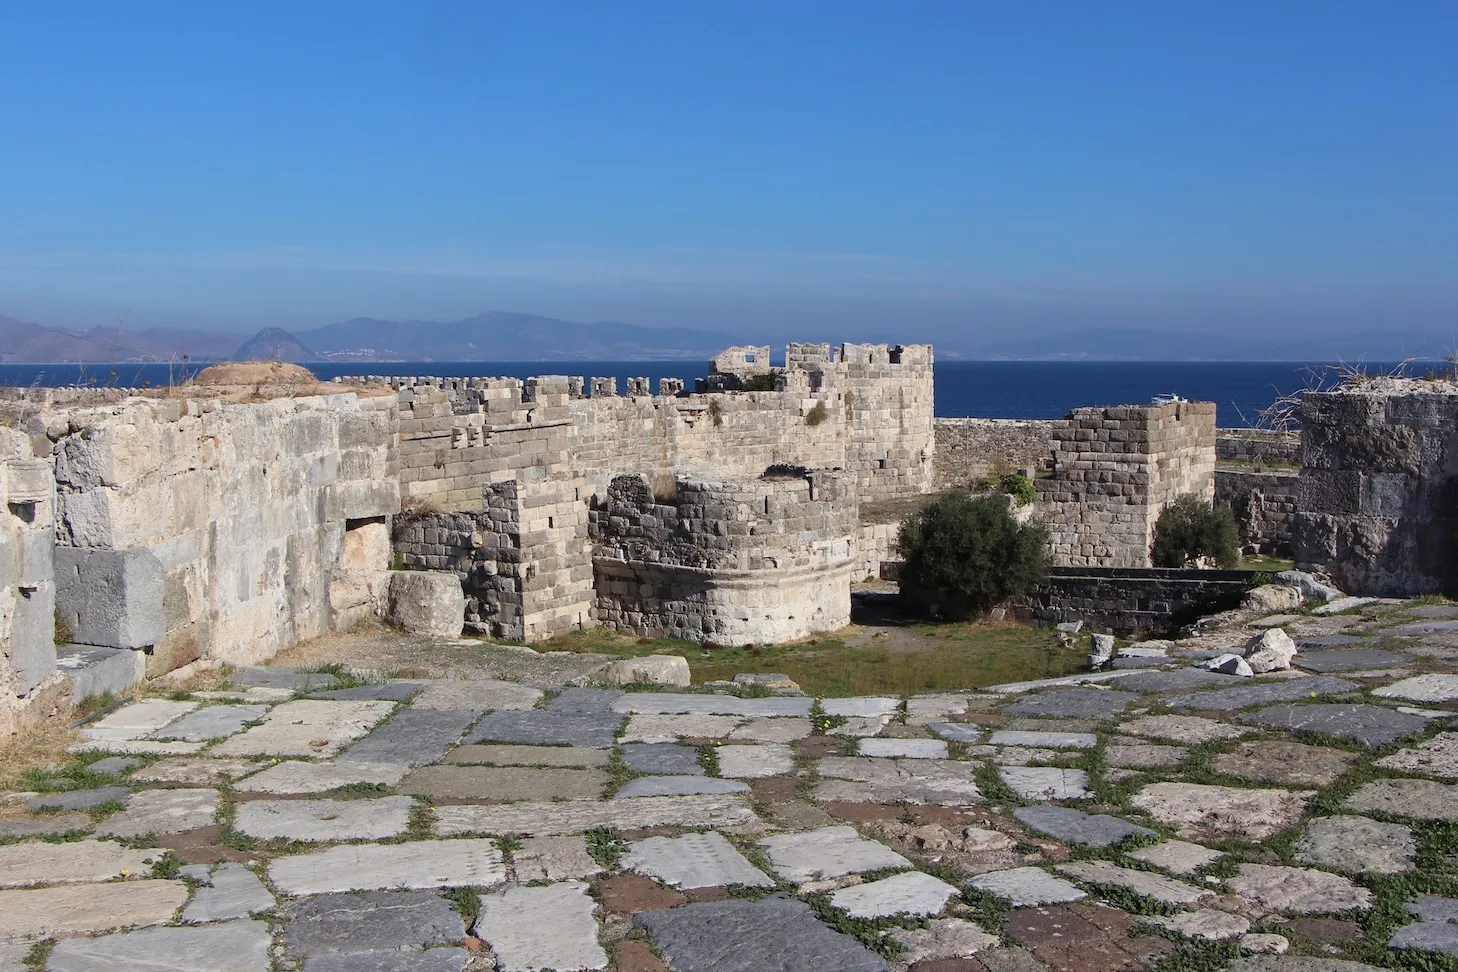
1156, 816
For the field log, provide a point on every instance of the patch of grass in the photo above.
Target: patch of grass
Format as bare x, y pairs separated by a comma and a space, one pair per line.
95, 703
605, 845
709, 759
102, 810
168, 867
619, 772
927, 657
346, 678
1270, 565
421, 825
990, 784
465, 902
75, 775
40, 952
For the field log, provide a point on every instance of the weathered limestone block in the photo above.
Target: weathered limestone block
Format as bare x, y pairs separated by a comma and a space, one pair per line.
111, 598
427, 602
671, 670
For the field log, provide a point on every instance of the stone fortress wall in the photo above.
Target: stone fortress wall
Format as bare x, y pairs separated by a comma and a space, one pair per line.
763, 560
497, 474
864, 408
229, 530
1114, 471
1378, 504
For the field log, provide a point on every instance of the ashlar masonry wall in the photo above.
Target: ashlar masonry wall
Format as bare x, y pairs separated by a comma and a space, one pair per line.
1114, 471
756, 562
254, 510
1378, 503
29, 683
525, 561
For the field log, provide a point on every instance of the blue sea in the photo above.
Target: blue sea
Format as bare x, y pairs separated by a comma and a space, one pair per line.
964, 389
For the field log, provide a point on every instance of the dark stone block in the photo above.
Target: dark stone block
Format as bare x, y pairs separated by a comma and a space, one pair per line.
668, 759
414, 737
1370, 725
1260, 693
1073, 703
371, 921
751, 936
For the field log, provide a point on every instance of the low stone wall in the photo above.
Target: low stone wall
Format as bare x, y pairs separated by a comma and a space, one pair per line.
1264, 505
967, 449
1127, 599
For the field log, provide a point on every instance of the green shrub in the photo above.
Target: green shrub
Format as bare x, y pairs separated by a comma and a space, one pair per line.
971, 552
816, 415
757, 383
1192, 531
1019, 487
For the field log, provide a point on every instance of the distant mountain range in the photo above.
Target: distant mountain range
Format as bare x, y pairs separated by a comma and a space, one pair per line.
503, 336
492, 336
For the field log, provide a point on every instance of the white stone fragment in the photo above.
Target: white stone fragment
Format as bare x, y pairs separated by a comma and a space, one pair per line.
912, 893
826, 853
694, 861
755, 761
370, 867
551, 927
903, 748
1228, 664
1272, 651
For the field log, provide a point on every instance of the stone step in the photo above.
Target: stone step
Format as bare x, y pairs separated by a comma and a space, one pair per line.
96, 670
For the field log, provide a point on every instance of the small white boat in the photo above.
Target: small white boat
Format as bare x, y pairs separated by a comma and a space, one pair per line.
1169, 399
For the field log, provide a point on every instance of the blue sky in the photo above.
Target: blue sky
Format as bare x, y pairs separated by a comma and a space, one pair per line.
945, 171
